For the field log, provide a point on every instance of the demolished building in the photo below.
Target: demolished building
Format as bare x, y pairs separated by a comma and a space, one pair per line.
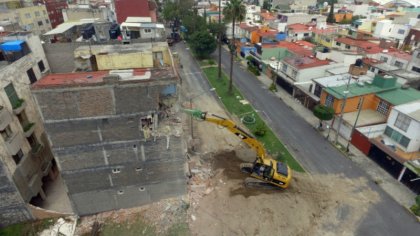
114, 132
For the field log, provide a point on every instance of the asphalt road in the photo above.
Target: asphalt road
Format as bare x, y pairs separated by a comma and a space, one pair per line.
315, 153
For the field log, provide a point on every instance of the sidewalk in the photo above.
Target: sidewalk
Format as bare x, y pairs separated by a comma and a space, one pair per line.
398, 191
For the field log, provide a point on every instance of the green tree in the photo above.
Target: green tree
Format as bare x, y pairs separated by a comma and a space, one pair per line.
202, 44
193, 23
266, 5
215, 28
323, 113
234, 11
330, 18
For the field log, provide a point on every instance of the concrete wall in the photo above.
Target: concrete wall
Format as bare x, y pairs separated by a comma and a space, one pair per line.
22, 181
98, 140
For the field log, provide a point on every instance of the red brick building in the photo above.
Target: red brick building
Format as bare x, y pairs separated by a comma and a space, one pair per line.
54, 8
138, 8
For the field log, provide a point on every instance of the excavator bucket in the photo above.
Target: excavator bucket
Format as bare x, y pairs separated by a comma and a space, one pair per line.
196, 113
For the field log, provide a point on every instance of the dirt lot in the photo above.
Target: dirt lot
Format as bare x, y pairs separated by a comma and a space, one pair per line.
221, 205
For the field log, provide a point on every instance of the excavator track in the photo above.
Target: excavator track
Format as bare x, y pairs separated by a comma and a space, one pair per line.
259, 184
246, 167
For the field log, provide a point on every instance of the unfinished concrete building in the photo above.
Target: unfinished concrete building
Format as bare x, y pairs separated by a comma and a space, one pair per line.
26, 161
114, 133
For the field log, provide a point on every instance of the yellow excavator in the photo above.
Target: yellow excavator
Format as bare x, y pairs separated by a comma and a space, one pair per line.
264, 171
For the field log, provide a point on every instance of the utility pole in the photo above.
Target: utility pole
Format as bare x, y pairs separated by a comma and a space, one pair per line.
219, 75
342, 110
361, 100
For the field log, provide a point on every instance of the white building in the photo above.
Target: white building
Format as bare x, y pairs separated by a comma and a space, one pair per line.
403, 127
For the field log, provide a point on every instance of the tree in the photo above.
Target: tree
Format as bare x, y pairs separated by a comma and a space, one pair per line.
266, 5
323, 113
330, 18
193, 23
234, 11
202, 44
215, 28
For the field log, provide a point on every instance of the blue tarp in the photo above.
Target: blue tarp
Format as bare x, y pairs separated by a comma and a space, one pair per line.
14, 46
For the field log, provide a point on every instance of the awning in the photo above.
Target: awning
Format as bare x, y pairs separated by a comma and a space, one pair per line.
12, 46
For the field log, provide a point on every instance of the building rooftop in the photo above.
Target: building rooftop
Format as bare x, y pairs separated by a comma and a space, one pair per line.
340, 79
267, 16
380, 84
400, 96
297, 48
367, 117
97, 77
306, 62
247, 27
367, 46
411, 109
399, 54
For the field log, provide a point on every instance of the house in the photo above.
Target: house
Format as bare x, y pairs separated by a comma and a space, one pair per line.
378, 97
396, 147
26, 164
412, 40
266, 35
114, 131
137, 8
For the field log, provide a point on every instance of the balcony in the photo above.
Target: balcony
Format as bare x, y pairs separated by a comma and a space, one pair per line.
19, 106
46, 167
14, 143
28, 129
5, 118
36, 149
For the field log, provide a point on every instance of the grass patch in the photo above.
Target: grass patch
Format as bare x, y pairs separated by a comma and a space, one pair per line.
271, 143
27, 229
180, 229
138, 227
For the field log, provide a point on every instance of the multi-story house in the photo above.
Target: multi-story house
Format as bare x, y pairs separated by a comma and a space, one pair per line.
54, 9
28, 16
26, 161
113, 131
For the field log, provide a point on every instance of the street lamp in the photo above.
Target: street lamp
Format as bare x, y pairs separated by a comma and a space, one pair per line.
191, 118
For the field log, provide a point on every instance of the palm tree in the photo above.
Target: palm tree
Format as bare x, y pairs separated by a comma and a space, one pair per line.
234, 11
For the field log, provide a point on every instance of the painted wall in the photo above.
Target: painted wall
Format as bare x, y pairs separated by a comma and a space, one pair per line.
412, 132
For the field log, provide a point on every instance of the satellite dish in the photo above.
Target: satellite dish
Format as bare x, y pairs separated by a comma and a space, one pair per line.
1, 29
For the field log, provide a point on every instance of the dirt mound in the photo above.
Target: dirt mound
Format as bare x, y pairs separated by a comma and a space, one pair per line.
312, 205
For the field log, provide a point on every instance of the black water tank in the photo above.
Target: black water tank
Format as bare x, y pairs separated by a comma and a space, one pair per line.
114, 31
88, 31
359, 62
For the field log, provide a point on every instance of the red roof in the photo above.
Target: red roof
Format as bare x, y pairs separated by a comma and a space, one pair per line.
77, 79
368, 47
298, 27
126, 8
247, 27
267, 16
399, 54
266, 32
306, 62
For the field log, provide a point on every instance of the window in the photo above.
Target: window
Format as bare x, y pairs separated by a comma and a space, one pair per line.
45, 13
294, 73
402, 122
6, 133
306, 34
329, 100
338, 43
347, 46
327, 40
284, 68
41, 66
397, 136
12, 95
416, 69
40, 23
384, 59
147, 30
383, 108
31, 75
318, 90
31, 26
18, 156
37, 13
28, 15
33, 141
399, 64
47, 21
401, 31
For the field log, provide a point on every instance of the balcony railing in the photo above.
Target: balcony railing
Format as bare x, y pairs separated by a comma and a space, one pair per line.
28, 129
36, 149
19, 106
5, 118
14, 143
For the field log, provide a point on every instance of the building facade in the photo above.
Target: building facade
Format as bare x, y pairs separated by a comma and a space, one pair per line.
26, 159
54, 9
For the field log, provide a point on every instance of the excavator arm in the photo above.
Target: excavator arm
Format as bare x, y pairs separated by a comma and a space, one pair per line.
232, 127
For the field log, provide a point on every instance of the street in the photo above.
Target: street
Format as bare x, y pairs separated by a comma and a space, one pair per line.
315, 153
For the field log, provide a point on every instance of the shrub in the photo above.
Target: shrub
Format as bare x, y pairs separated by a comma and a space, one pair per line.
211, 62
261, 130
273, 87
